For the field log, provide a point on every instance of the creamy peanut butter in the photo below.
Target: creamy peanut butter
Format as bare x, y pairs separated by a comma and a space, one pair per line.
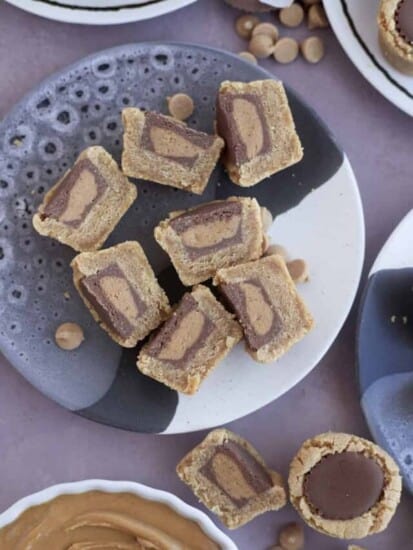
103, 521
82, 194
184, 338
170, 144
118, 292
249, 126
211, 234
230, 478
258, 310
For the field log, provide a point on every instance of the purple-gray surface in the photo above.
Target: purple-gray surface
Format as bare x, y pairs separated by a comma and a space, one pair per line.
42, 444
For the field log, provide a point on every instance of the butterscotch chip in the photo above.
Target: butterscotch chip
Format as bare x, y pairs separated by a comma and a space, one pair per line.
190, 344
266, 217
298, 269
291, 537
266, 303
69, 336
286, 50
344, 486
317, 18
180, 106
120, 290
85, 205
205, 238
231, 478
312, 49
292, 16
164, 150
261, 45
277, 249
245, 24
248, 56
266, 28
257, 125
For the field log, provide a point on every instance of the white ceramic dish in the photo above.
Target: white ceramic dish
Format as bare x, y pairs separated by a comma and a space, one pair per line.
100, 12
354, 23
12, 513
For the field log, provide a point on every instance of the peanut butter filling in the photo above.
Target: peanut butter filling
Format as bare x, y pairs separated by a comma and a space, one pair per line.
169, 144
229, 477
184, 337
211, 234
249, 126
259, 311
103, 521
118, 292
82, 194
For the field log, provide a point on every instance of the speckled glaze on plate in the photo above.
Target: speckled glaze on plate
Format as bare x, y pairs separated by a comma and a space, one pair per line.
318, 217
385, 348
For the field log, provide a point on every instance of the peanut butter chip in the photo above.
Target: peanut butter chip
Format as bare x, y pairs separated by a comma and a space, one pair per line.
83, 193
119, 294
210, 234
259, 312
277, 249
266, 28
248, 57
69, 336
317, 18
245, 24
184, 337
229, 477
312, 49
266, 218
292, 16
286, 50
261, 45
170, 144
292, 537
181, 106
298, 270
249, 126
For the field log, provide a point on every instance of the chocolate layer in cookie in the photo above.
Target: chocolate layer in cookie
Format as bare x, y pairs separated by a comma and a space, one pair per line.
173, 140
117, 303
182, 335
234, 470
404, 20
79, 190
241, 122
258, 316
209, 228
344, 485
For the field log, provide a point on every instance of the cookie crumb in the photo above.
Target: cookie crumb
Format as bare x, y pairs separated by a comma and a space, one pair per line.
292, 537
69, 336
66, 295
180, 106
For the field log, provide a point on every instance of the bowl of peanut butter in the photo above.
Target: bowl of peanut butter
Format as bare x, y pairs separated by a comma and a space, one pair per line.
103, 515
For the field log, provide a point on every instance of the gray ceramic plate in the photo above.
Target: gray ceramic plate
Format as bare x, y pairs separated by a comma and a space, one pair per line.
318, 216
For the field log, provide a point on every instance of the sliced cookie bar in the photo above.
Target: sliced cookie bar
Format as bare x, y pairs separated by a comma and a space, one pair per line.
189, 345
231, 478
344, 486
162, 149
266, 303
85, 205
395, 21
121, 291
256, 123
217, 234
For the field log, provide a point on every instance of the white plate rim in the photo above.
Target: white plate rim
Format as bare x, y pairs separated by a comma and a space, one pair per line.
361, 60
107, 486
115, 16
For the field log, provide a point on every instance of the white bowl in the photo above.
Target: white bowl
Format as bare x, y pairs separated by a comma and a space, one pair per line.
137, 489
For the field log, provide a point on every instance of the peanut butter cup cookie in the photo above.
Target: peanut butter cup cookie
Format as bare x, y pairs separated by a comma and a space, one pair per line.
344, 486
395, 20
84, 207
231, 478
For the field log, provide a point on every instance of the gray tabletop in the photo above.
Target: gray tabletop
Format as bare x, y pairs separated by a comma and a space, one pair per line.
42, 444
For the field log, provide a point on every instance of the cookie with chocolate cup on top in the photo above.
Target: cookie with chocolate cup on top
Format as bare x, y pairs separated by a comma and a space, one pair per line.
257, 125
121, 291
207, 237
86, 204
231, 478
265, 301
395, 21
165, 150
344, 486
189, 345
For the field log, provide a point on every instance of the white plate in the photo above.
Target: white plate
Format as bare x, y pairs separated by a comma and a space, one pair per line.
100, 12
137, 489
354, 23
